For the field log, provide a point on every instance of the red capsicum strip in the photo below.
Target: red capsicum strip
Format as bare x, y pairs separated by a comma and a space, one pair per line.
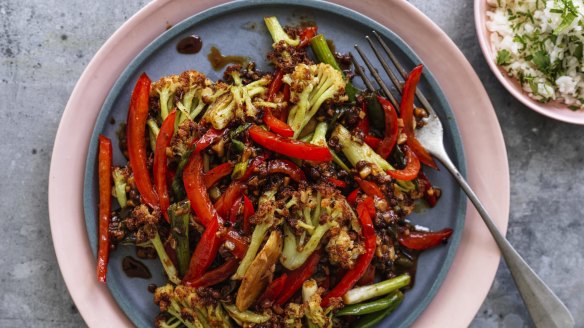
407, 113
248, 211
289, 147
297, 277
286, 167
204, 253
226, 201
370, 188
215, 276
160, 167
136, 127
421, 240
337, 182
306, 35
425, 185
274, 289
104, 172
234, 211
391, 128
277, 126
217, 173
352, 197
197, 192
410, 172
372, 141
240, 245
208, 139
369, 205
353, 275
252, 167
286, 98
275, 85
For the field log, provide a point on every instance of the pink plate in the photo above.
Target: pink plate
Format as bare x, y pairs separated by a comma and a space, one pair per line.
477, 259
554, 110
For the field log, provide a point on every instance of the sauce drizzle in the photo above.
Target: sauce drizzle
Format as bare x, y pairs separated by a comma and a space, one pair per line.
190, 45
218, 61
135, 269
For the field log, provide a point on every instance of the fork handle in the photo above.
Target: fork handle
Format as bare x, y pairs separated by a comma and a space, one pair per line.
545, 308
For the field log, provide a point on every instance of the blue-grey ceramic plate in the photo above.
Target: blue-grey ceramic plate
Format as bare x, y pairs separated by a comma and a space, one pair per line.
237, 28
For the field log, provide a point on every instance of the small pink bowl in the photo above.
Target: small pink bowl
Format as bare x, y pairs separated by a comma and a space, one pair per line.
554, 110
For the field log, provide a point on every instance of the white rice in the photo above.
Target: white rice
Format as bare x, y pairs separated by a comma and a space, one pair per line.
540, 42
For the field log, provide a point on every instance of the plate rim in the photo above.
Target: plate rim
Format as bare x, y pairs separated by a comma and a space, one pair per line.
227, 9
556, 111
93, 300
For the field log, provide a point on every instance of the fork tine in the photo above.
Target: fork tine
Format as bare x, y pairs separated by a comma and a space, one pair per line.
377, 77
360, 72
397, 83
391, 56
401, 70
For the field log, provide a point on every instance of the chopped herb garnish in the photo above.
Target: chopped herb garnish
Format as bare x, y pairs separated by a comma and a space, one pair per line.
503, 57
567, 20
541, 59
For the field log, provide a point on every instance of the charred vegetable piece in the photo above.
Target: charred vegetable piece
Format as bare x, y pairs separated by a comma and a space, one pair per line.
288, 147
160, 165
136, 127
258, 275
407, 114
410, 172
421, 240
215, 276
286, 167
229, 197
257, 237
204, 253
197, 192
105, 205
353, 275
297, 277
391, 128
217, 173
275, 288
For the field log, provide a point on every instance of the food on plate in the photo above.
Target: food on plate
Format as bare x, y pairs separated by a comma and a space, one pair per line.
540, 43
270, 199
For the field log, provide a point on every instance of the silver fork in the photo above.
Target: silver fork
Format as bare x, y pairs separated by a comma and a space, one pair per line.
545, 308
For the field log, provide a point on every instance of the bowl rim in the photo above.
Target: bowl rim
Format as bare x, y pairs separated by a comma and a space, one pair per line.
556, 111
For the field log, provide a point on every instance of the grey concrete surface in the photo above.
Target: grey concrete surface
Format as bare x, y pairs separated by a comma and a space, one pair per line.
46, 44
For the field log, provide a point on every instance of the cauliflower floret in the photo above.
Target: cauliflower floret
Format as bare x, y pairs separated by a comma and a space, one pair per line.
310, 86
342, 250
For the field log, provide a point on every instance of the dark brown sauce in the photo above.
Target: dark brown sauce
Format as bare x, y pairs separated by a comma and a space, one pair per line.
135, 269
190, 45
218, 61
